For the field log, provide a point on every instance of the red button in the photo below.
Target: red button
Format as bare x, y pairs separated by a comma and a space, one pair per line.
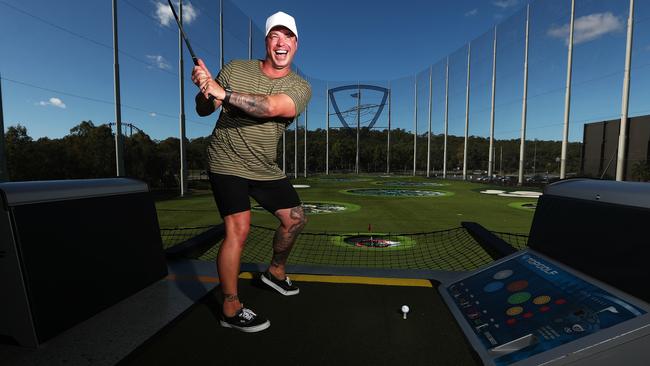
517, 285
528, 315
560, 301
511, 321
544, 309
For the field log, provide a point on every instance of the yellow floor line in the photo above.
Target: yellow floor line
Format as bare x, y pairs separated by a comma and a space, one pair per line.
361, 280
319, 278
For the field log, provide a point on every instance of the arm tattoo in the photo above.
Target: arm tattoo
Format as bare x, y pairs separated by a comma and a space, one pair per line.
253, 104
230, 297
284, 241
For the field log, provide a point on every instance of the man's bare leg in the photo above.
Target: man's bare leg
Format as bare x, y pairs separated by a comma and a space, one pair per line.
292, 221
229, 258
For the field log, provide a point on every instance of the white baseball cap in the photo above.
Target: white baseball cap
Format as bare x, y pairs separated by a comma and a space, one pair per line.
283, 19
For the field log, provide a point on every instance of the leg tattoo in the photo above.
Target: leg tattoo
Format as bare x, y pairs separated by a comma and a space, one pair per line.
283, 241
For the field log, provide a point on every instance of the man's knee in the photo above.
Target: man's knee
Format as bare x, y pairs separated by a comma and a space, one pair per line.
237, 228
292, 219
298, 218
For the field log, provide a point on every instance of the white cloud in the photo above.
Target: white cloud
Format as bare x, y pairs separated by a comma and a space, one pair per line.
588, 27
165, 16
159, 61
153, 114
55, 102
472, 12
503, 4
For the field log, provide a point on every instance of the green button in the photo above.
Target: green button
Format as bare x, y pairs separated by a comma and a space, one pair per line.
519, 298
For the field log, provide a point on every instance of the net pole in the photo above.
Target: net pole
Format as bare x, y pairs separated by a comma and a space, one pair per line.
625, 103
356, 168
469, 58
181, 122
430, 112
388, 135
327, 131
119, 145
444, 153
250, 38
4, 175
524, 107
492, 153
415, 123
567, 96
221, 56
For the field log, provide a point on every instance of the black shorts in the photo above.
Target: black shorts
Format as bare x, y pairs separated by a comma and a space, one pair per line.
232, 193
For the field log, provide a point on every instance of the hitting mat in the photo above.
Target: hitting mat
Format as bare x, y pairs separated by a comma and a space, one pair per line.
343, 321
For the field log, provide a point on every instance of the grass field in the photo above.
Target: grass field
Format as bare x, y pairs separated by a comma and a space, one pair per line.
462, 202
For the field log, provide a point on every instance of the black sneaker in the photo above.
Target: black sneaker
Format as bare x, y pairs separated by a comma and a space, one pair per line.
246, 321
285, 287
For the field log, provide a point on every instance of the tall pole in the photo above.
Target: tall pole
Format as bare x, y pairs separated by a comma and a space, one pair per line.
524, 107
356, 166
250, 39
119, 147
390, 93
534, 157
4, 174
625, 103
183, 172
492, 105
415, 125
567, 97
430, 112
469, 58
501, 161
444, 153
327, 132
221, 57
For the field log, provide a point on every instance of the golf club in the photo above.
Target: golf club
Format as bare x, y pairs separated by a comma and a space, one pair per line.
195, 60
187, 41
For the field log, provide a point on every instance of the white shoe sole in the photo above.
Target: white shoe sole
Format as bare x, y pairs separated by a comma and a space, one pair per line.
278, 288
254, 329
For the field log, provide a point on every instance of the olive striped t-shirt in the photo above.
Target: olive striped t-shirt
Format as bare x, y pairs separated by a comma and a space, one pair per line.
243, 145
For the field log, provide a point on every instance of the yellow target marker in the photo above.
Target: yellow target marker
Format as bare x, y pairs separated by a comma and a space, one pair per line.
541, 300
514, 311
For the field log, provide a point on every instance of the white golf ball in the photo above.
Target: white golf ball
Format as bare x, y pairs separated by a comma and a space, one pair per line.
405, 309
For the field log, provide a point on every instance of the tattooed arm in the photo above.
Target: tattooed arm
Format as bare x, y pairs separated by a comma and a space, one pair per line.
261, 106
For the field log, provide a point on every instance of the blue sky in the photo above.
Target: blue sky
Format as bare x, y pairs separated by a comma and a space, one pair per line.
57, 65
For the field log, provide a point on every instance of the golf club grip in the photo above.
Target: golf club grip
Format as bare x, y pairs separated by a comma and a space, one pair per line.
196, 63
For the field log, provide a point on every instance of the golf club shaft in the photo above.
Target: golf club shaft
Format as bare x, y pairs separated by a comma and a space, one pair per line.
187, 41
195, 60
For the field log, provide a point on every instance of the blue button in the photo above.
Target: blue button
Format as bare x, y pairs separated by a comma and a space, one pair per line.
493, 286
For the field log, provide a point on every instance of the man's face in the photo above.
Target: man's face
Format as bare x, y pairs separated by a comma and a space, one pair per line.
281, 46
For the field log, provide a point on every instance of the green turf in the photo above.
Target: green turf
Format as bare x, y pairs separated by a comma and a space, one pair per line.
385, 214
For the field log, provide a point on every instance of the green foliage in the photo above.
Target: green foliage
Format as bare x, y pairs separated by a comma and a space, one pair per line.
641, 171
89, 152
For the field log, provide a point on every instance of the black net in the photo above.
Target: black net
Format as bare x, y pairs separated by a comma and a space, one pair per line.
449, 250
173, 236
517, 241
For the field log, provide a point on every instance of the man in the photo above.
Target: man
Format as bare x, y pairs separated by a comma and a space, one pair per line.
259, 98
